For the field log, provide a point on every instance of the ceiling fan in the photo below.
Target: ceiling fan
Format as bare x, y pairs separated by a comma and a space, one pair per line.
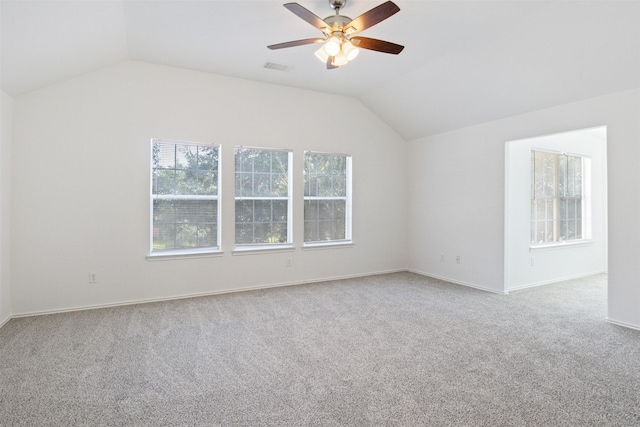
340, 45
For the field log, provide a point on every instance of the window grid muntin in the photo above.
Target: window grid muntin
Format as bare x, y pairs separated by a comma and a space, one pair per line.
557, 199
337, 174
252, 168
187, 220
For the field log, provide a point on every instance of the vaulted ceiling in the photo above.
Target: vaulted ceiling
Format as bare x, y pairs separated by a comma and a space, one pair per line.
464, 62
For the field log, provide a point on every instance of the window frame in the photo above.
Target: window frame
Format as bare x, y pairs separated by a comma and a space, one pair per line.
557, 199
240, 248
189, 251
348, 199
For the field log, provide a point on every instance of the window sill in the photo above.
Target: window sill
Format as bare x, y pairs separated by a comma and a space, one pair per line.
173, 255
328, 245
252, 250
563, 245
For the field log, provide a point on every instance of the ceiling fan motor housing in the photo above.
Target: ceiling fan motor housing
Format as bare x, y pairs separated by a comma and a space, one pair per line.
337, 23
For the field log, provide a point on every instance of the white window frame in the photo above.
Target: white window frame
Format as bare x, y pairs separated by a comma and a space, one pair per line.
585, 204
185, 252
347, 199
240, 248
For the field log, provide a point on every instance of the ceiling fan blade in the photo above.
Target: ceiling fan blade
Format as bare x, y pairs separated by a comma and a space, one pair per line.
372, 17
377, 45
307, 15
295, 43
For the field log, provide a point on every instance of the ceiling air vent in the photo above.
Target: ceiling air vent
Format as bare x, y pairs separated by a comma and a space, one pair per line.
279, 67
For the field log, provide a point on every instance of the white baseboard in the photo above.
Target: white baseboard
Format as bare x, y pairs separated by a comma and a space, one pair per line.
4, 322
548, 282
199, 294
457, 282
624, 324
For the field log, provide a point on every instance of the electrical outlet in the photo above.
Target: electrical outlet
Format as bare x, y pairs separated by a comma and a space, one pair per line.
93, 277
457, 259
441, 257
288, 262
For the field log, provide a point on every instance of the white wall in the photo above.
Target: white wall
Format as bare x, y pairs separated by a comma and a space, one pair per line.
525, 266
456, 209
6, 118
81, 184
456, 188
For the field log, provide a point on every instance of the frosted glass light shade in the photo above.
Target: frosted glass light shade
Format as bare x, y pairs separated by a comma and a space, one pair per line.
332, 46
350, 50
340, 59
322, 55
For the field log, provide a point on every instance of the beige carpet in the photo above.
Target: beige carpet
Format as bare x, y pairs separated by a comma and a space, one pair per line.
396, 349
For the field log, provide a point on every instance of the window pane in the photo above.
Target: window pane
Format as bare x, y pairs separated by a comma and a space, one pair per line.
207, 183
164, 156
244, 184
207, 158
280, 160
244, 160
186, 235
186, 182
186, 211
244, 233
207, 235
279, 184
310, 210
262, 211
164, 181
313, 186
262, 162
325, 230
207, 211
325, 210
278, 233
339, 186
261, 233
311, 231
163, 236
244, 211
280, 210
261, 184
324, 186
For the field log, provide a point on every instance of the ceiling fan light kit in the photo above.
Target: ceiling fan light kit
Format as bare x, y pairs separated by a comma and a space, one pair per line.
339, 44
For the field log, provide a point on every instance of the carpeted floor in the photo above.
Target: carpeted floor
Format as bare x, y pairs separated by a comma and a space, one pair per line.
397, 349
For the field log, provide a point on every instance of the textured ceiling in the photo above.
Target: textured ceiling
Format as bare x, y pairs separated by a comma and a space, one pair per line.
465, 62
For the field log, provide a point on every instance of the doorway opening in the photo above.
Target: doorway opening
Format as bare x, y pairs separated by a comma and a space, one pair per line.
529, 263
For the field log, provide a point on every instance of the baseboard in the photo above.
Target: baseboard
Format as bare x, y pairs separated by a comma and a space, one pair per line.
457, 282
5, 321
200, 294
624, 324
548, 282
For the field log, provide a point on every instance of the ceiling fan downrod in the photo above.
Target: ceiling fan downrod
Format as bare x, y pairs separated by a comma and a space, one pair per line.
337, 5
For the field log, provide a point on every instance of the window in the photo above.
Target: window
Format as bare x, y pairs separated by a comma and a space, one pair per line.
263, 197
327, 197
184, 195
558, 197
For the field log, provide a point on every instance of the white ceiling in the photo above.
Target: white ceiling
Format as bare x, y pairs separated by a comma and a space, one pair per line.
464, 63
